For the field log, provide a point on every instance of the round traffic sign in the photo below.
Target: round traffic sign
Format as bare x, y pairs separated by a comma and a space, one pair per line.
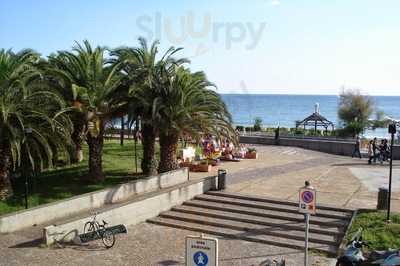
307, 196
200, 258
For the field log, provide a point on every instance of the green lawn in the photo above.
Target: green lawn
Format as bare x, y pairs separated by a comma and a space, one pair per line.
377, 232
53, 185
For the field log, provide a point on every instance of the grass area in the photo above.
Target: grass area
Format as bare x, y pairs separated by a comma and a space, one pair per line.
57, 184
377, 232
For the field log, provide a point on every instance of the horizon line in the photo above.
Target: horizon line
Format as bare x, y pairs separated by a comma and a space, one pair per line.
297, 94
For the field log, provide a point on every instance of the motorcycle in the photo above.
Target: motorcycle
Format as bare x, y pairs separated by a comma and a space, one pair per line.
354, 256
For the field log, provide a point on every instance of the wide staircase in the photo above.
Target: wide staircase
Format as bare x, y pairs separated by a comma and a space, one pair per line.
258, 219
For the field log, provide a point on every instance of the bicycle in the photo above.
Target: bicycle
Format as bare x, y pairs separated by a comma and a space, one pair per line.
94, 228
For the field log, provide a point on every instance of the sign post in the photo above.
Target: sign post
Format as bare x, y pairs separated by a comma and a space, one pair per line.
307, 205
392, 131
201, 251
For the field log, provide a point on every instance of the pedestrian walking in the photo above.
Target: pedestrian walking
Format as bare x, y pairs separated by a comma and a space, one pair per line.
357, 145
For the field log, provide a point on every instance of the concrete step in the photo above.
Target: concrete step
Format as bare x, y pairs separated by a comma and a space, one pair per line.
268, 206
266, 221
257, 212
251, 236
252, 228
341, 210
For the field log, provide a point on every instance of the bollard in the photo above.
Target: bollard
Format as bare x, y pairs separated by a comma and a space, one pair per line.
383, 197
221, 179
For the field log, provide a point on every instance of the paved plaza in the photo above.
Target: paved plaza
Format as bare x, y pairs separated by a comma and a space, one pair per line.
340, 181
277, 173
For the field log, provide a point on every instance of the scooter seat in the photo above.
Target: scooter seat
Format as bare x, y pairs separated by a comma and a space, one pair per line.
381, 254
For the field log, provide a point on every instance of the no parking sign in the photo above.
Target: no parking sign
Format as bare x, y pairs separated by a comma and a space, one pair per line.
307, 200
307, 205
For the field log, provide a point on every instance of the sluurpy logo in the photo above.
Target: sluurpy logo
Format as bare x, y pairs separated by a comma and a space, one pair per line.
202, 28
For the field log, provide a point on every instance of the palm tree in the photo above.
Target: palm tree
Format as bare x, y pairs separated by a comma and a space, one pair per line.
142, 67
94, 85
187, 106
25, 103
60, 81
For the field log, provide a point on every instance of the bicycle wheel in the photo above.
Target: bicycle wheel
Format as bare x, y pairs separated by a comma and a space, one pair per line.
108, 238
89, 228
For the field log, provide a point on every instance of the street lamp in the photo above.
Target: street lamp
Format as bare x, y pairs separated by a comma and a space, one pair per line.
28, 132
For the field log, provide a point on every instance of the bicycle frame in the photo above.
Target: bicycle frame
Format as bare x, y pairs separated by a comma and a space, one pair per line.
96, 225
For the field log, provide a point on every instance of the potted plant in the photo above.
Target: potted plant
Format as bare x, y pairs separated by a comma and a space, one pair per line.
251, 153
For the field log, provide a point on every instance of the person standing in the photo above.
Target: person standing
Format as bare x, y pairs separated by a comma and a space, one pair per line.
370, 151
385, 149
357, 145
374, 148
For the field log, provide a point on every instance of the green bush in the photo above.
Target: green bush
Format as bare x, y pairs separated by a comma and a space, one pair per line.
257, 124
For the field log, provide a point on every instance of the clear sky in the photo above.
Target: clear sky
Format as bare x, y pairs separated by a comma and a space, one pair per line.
253, 46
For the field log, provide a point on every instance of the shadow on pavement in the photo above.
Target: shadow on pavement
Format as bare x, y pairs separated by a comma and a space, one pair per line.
365, 163
29, 244
262, 256
170, 263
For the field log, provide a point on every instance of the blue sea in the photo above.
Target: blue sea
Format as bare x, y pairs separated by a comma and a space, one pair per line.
284, 110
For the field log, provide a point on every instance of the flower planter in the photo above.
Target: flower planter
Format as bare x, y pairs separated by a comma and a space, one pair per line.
185, 164
201, 168
251, 155
214, 162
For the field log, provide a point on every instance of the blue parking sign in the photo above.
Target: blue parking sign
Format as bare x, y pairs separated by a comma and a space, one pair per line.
200, 258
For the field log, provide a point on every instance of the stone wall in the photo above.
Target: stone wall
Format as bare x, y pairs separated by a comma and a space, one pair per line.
328, 146
64, 208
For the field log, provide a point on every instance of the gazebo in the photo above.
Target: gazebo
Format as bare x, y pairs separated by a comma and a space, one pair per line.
315, 120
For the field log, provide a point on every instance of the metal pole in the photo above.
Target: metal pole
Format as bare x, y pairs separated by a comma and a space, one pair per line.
307, 216
390, 177
122, 132
135, 137
26, 191
136, 154
26, 170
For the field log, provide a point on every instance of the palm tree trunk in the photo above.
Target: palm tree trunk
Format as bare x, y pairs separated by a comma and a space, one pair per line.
5, 163
76, 137
168, 148
149, 163
95, 144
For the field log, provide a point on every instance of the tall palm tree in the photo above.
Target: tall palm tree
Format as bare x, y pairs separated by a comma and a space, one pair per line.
61, 82
187, 106
95, 88
142, 67
26, 103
